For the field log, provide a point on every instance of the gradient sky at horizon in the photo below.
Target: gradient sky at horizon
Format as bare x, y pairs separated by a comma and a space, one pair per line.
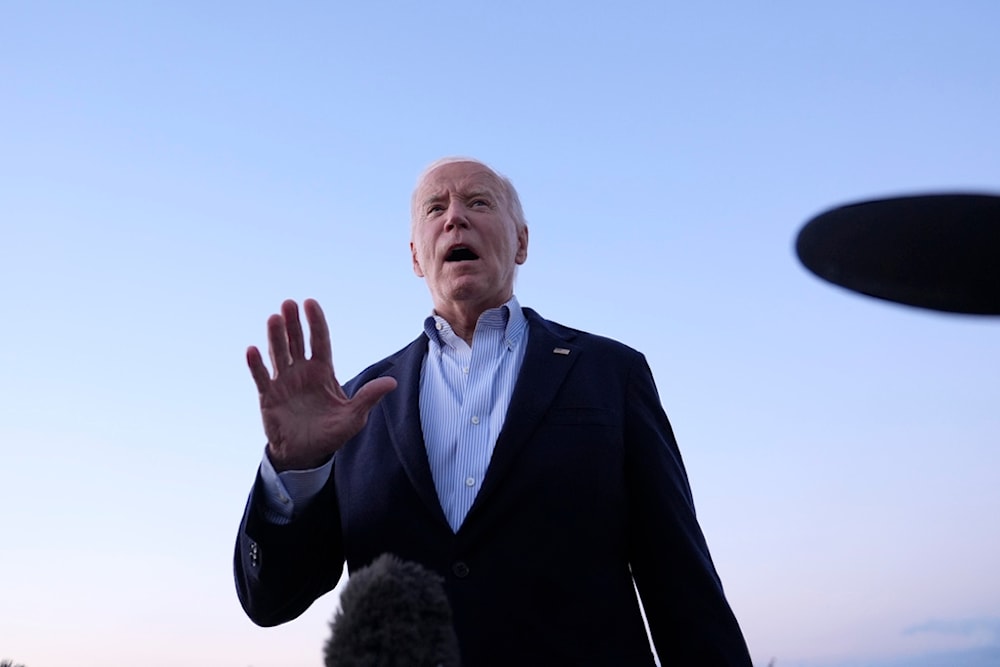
169, 172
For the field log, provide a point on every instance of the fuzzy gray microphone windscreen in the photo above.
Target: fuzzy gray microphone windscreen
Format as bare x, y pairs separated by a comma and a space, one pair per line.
393, 613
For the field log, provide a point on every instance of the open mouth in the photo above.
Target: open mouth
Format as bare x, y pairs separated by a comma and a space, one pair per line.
460, 254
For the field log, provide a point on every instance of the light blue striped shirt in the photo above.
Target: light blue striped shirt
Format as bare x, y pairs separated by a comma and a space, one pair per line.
464, 394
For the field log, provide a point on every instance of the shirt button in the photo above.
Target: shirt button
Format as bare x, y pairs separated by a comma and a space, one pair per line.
460, 569
470, 481
475, 419
465, 369
439, 326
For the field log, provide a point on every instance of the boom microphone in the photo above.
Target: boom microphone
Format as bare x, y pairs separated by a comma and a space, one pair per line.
393, 613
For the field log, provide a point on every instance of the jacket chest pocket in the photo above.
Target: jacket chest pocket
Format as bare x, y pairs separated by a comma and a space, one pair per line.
582, 416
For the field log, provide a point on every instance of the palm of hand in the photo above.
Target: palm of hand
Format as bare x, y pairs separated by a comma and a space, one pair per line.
306, 414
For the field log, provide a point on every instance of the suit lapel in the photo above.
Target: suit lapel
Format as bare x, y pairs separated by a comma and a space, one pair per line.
401, 409
547, 361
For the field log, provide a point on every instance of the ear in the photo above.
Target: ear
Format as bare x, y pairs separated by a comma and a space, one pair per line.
416, 263
522, 246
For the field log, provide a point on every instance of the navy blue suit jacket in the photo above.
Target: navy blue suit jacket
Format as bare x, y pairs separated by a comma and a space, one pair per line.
585, 490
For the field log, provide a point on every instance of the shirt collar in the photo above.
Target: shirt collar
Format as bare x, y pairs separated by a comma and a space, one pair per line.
508, 317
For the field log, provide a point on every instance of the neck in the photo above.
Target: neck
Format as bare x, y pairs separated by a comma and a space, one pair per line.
463, 316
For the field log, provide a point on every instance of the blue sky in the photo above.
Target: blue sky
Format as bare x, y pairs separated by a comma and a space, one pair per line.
169, 172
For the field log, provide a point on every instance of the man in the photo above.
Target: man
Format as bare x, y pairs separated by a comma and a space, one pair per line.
529, 464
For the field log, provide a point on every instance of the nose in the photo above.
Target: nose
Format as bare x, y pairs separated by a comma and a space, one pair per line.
455, 217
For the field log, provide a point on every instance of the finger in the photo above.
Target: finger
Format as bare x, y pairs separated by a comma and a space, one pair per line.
277, 343
257, 369
319, 332
372, 392
293, 328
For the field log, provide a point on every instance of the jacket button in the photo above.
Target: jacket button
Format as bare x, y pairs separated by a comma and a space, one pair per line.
460, 570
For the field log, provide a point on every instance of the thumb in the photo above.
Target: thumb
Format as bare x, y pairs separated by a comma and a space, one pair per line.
372, 392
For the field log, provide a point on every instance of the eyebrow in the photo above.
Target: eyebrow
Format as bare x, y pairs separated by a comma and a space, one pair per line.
433, 199
484, 193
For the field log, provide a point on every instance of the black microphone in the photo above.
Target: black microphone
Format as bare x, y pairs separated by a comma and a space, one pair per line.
393, 613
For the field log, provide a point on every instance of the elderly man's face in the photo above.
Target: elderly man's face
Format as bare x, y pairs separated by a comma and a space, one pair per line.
465, 242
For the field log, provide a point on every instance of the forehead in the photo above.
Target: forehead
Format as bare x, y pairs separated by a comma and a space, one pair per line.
459, 177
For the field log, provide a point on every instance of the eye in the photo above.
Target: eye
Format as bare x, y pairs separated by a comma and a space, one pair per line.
434, 208
479, 202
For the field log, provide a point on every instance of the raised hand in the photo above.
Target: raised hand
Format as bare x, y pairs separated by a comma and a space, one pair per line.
307, 416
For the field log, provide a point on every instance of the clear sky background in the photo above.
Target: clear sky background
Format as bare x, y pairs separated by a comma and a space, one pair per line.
170, 171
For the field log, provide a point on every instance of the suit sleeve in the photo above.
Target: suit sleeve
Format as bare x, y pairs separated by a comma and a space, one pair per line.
281, 569
689, 618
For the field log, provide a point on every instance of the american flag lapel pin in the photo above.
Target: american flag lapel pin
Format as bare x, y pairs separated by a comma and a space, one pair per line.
561, 350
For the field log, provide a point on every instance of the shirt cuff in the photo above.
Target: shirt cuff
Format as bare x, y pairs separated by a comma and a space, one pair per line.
289, 492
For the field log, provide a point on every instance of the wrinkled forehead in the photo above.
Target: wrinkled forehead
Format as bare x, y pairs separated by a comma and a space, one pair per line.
460, 177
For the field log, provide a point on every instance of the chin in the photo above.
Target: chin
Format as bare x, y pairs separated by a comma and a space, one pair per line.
467, 290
